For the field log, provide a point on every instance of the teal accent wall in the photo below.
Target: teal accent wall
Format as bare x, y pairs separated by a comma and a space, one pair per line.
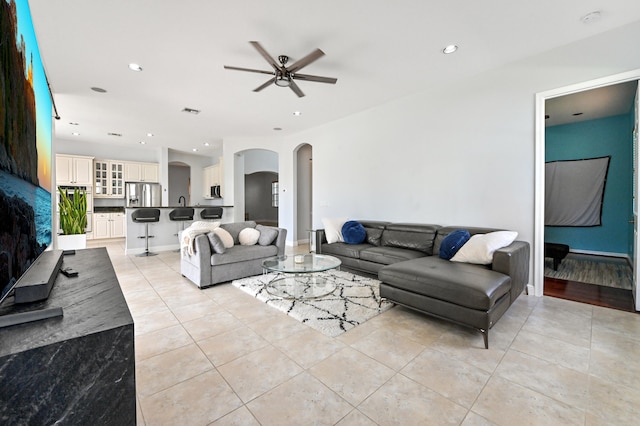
598, 138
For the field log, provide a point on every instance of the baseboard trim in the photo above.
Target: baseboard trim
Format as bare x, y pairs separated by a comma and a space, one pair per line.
155, 249
601, 253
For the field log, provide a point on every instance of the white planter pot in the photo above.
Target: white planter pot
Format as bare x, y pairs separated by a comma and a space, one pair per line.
72, 242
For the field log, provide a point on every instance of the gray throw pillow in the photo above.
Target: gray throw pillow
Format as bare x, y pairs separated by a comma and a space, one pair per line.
216, 243
267, 235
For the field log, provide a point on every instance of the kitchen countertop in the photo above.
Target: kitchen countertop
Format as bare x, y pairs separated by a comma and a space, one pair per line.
105, 209
176, 207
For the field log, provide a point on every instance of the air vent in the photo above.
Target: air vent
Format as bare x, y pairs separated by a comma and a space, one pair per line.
115, 134
191, 111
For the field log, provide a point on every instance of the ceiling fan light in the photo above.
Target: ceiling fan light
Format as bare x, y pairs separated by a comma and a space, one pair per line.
283, 80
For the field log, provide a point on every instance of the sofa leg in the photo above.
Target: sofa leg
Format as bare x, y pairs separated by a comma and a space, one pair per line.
382, 299
485, 335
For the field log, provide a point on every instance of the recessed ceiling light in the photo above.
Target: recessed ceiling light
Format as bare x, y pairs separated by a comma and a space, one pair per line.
150, 135
98, 89
194, 149
206, 144
449, 49
135, 67
75, 134
297, 113
191, 110
74, 124
143, 143
592, 17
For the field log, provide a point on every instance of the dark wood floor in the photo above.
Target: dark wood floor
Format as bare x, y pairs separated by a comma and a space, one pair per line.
592, 294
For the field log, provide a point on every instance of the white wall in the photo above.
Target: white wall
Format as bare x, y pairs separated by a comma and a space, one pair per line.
458, 155
260, 160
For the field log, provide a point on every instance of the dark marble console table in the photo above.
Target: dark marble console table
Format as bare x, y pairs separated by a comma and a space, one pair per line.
75, 369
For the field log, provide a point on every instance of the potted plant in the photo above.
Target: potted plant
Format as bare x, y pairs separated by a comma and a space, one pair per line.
73, 219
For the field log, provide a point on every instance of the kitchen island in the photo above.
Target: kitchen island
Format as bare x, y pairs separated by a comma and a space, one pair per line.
165, 231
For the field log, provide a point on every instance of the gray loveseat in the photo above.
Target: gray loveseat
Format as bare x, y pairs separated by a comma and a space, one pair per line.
207, 267
405, 258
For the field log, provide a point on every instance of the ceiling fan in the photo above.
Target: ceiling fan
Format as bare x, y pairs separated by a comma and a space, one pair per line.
283, 76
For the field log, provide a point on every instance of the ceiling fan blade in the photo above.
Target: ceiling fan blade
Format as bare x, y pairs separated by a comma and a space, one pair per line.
266, 84
296, 89
317, 79
227, 67
299, 64
266, 56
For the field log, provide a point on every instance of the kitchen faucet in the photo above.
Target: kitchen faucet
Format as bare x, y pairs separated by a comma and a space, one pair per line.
184, 201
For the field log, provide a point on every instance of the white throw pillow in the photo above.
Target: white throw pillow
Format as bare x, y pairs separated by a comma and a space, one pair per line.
248, 236
225, 236
480, 247
333, 229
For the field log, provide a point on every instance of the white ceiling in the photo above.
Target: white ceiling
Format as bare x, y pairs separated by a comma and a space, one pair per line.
379, 50
591, 104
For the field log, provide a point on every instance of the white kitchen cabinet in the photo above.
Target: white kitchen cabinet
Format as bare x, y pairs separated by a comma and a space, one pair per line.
142, 172
108, 225
101, 225
108, 179
211, 176
118, 225
72, 170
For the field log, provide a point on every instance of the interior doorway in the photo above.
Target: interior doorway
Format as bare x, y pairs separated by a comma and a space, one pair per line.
540, 147
304, 195
246, 164
179, 191
259, 204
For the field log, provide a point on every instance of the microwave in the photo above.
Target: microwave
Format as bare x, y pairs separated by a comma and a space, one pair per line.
215, 191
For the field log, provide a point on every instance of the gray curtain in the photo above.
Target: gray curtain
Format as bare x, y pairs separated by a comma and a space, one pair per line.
574, 192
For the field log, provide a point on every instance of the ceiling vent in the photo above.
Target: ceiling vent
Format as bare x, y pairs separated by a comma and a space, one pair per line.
191, 111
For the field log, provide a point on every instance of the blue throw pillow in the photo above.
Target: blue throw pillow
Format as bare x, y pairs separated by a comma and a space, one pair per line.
453, 242
353, 232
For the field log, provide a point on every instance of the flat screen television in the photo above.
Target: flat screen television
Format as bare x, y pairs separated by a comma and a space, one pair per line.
25, 148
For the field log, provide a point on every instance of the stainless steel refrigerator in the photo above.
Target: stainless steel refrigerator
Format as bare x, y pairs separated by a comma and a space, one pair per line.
140, 194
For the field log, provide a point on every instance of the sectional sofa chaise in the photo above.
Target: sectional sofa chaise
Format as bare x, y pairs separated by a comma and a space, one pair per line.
405, 258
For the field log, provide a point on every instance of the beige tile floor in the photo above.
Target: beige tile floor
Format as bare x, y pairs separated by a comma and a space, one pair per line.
220, 357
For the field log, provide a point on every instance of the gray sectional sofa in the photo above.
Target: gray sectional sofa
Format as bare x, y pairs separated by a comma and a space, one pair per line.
207, 267
404, 257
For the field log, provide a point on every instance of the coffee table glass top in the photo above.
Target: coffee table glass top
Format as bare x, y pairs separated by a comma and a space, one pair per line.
301, 264
297, 276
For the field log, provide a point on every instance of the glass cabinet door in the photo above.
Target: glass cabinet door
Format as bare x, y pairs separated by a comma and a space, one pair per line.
101, 180
117, 179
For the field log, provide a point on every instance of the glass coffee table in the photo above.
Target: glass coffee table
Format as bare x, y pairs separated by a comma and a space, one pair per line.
298, 276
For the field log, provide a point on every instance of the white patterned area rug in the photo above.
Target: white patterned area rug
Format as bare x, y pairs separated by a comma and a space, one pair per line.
354, 301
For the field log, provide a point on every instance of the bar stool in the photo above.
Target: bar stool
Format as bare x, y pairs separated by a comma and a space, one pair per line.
211, 213
146, 216
181, 214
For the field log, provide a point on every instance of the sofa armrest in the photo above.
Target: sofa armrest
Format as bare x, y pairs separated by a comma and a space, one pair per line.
281, 241
202, 255
513, 260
